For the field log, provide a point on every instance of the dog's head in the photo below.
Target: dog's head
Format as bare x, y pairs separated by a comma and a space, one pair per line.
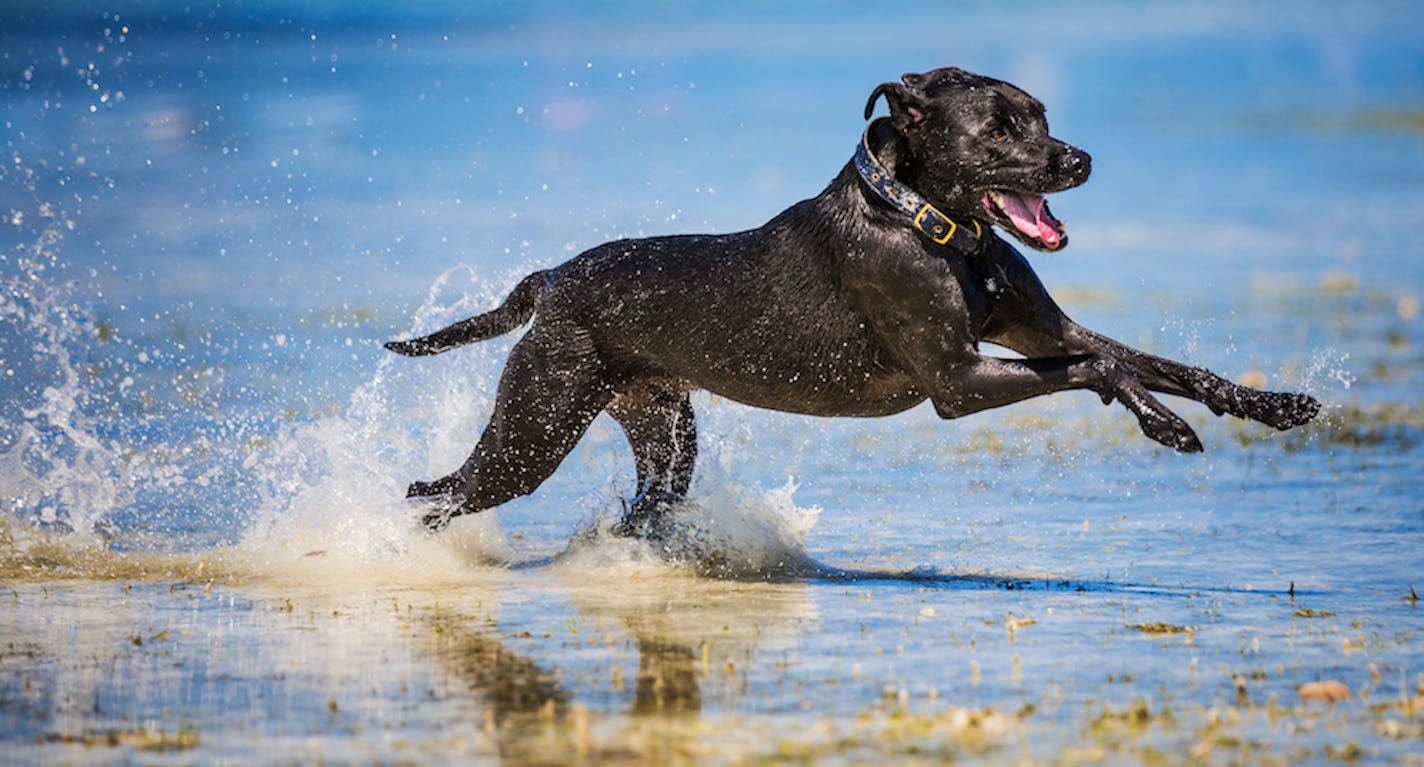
979, 147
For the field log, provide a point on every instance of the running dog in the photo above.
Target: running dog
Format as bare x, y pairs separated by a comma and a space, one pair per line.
865, 300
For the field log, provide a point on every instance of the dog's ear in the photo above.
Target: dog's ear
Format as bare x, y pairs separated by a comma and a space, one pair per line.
875, 96
916, 80
906, 106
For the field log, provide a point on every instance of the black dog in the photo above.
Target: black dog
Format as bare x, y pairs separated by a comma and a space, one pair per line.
865, 300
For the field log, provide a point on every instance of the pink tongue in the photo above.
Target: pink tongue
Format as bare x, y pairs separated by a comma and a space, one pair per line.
1030, 216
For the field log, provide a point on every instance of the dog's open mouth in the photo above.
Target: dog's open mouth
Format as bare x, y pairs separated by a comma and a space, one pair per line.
1026, 215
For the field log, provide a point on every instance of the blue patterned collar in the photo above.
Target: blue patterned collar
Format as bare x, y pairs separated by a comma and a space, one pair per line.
939, 228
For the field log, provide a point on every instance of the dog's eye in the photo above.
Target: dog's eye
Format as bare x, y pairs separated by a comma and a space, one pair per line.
997, 133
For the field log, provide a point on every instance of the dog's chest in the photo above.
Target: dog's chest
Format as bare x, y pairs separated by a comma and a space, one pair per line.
984, 284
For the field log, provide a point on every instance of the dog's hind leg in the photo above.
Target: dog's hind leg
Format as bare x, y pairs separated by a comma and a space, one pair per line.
659, 423
553, 386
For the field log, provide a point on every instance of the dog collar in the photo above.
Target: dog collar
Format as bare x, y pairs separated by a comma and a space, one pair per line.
939, 228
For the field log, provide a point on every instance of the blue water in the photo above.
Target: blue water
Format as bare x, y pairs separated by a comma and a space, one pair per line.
213, 217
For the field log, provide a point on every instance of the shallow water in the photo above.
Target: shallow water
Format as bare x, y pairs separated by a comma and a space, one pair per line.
211, 221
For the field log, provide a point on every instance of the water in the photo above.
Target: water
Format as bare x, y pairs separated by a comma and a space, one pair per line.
212, 218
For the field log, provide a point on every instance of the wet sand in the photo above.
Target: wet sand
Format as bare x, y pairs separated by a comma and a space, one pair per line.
605, 655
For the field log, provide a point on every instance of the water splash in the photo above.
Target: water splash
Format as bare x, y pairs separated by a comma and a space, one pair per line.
55, 470
723, 530
82, 443
1326, 370
332, 489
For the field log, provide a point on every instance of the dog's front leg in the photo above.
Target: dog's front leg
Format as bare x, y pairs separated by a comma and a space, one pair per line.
990, 382
1281, 410
1028, 321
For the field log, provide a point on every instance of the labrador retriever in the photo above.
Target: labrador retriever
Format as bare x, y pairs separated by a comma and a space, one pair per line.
865, 300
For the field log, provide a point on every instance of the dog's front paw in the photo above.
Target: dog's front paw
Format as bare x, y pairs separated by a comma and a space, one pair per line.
1168, 429
1299, 411
1285, 411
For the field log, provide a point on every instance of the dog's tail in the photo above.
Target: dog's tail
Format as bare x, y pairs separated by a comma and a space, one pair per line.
515, 311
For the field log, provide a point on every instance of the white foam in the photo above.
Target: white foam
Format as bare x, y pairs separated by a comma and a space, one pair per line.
722, 530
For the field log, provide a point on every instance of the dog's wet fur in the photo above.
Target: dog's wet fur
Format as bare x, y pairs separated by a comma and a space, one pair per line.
835, 307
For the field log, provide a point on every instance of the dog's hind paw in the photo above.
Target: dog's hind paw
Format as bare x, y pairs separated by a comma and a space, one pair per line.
414, 348
653, 530
649, 517
439, 501
437, 520
419, 489
437, 511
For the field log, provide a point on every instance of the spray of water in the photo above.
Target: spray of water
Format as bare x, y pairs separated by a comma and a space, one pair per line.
55, 469
331, 489
1327, 370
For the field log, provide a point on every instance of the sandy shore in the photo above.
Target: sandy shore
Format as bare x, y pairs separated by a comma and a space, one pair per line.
181, 660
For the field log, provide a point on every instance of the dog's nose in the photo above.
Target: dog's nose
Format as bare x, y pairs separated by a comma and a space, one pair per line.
1077, 164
